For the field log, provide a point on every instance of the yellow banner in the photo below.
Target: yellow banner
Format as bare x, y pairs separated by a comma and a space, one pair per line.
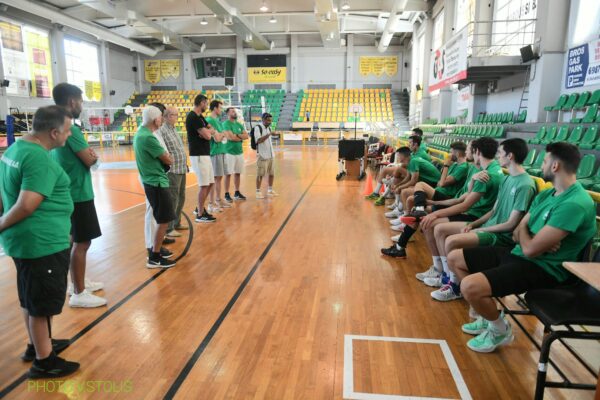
169, 68
89, 90
40, 64
152, 70
378, 65
97, 91
267, 74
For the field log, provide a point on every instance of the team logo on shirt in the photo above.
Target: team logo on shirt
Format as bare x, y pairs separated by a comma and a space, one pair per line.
513, 191
9, 162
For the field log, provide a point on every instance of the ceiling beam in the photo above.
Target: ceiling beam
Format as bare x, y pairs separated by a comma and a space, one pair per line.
390, 26
329, 24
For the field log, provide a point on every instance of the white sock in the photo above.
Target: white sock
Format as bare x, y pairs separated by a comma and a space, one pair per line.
419, 208
270, 188
444, 261
378, 187
257, 190
397, 197
453, 277
499, 325
437, 263
400, 206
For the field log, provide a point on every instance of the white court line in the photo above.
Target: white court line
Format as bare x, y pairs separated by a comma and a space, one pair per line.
350, 394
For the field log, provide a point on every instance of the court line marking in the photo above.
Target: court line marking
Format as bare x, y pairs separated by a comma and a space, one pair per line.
350, 394
181, 377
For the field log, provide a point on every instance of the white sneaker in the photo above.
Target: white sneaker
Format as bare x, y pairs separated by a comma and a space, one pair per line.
86, 300
272, 193
445, 293
392, 206
174, 234
430, 273
259, 195
212, 209
398, 228
90, 286
396, 221
393, 214
433, 282
224, 204
395, 238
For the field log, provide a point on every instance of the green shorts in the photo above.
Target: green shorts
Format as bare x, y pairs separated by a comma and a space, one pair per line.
494, 239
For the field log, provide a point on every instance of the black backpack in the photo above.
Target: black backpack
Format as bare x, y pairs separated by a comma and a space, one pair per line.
252, 139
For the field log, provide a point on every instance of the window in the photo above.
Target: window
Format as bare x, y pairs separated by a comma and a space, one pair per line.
438, 31
465, 13
514, 25
81, 59
26, 59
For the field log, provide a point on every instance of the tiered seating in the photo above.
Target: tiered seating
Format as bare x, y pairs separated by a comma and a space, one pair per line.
331, 105
575, 102
496, 118
479, 131
585, 138
273, 101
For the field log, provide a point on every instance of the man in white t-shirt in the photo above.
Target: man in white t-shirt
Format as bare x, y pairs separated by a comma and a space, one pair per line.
265, 155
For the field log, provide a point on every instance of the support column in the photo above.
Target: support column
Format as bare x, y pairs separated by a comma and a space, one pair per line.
57, 49
349, 61
294, 87
139, 76
3, 95
445, 96
240, 64
551, 30
187, 70
105, 73
427, 41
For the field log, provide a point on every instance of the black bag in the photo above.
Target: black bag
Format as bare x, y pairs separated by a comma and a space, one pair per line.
252, 139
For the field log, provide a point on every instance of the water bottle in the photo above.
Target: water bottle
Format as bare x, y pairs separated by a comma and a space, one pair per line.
95, 165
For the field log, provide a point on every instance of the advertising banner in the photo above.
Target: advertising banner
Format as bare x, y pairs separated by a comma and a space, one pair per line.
152, 70
449, 62
583, 65
378, 65
170, 68
267, 75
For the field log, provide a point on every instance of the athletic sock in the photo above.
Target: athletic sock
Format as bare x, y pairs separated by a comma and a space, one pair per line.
499, 325
405, 236
378, 188
437, 263
444, 262
270, 188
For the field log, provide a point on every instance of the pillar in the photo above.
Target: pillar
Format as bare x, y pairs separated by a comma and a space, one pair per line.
427, 41
294, 87
445, 96
349, 61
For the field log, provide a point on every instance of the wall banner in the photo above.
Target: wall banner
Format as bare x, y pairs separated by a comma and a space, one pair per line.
97, 91
464, 96
449, 62
89, 89
267, 75
170, 68
152, 70
378, 65
583, 65
40, 64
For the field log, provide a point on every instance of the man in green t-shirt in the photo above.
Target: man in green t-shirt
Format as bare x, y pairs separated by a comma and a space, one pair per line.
218, 151
416, 145
76, 158
35, 221
152, 159
235, 154
560, 223
467, 209
492, 229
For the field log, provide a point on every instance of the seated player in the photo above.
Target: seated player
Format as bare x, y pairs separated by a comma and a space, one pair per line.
471, 206
558, 226
494, 228
419, 132
418, 148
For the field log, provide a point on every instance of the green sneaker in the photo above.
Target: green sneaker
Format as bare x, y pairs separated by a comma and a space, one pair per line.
380, 201
488, 340
372, 196
479, 325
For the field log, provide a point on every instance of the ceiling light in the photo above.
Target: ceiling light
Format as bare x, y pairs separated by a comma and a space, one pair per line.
264, 7
202, 47
345, 6
248, 37
227, 20
272, 45
204, 22
273, 20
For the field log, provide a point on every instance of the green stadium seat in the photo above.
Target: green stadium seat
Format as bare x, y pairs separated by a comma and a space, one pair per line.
559, 103
582, 101
589, 117
589, 138
576, 135
562, 135
594, 98
539, 136
550, 135
529, 159
570, 102
521, 117
586, 167
588, 183
499, 132
536, 167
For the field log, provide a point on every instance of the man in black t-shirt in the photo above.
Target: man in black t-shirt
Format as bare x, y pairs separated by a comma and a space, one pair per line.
199, 133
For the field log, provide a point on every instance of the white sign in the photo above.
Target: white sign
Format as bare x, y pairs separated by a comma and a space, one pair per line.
464, 96
449, 62
355, 108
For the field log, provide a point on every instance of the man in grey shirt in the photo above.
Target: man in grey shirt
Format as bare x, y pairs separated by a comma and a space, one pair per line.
178, 169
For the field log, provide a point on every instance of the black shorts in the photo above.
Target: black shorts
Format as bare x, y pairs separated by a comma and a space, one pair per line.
42, 283
462, 218
161, 202
437, 196
507, 273
84, 222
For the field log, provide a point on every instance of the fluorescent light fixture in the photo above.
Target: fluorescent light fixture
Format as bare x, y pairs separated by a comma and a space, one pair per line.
273, 19
345, 6
227, 20
202, 47
272, 45
248, 37
264, 7
203, 21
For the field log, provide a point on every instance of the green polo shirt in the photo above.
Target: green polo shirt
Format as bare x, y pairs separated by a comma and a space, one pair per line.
80, 175
216, 147
459, 173
236, 128
422, 153
147, 149
489, 190
428, 173
572, 211
29, 166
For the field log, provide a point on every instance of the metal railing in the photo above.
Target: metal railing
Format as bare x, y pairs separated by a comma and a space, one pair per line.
499, 37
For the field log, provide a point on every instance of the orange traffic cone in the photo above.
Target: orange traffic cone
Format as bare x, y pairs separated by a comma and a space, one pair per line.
368, 186
382, 190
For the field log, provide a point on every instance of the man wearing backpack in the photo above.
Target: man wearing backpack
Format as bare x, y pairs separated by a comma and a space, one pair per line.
261, 142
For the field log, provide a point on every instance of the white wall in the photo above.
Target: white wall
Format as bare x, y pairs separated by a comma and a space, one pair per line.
122, 77
505, 101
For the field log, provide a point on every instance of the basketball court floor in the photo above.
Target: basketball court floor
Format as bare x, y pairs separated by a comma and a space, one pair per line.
284, 298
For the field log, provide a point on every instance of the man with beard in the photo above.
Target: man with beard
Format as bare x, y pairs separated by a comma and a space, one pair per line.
235, 154
76, 158
559, 224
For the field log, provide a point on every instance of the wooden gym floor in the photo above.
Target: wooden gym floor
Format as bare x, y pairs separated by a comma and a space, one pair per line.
261, 306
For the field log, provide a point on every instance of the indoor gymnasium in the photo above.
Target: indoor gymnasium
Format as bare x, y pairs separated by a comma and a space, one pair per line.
301, 199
